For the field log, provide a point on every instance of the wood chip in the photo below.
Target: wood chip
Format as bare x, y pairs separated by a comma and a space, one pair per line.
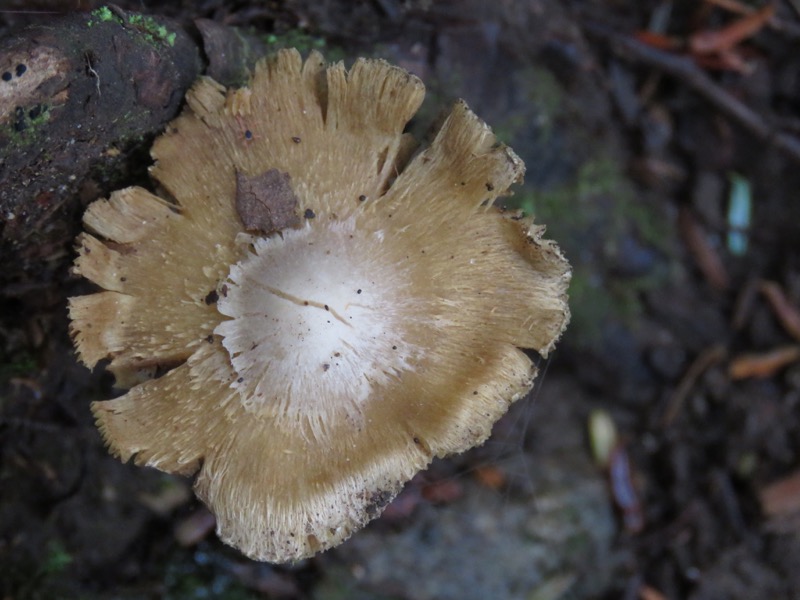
727, 38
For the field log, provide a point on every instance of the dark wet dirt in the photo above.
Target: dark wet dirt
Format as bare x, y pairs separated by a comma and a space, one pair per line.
633, 162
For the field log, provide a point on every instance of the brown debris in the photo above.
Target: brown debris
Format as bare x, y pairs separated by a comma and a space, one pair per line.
786, 312
707, 359
781, 498
764, 364
491, 476
231, 53
444, 491
776, 22
686, 70
722, 42
650, 593
266, 202
744, 304
705, 255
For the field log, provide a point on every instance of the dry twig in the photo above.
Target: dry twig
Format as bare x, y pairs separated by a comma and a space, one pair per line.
786, 312
764, 364
684, 69
707, 359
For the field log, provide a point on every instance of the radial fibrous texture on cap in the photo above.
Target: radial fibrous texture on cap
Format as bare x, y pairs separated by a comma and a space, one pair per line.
314, 309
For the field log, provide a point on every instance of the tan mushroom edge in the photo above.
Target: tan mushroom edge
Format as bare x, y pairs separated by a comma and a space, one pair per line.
306, 368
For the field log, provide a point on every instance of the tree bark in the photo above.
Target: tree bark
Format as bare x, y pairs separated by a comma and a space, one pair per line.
81, 99
78, 97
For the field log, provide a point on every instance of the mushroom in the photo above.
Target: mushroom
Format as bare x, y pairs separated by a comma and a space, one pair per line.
311, 312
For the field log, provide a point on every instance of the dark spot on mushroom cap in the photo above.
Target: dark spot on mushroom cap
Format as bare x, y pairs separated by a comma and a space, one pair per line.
7, 76
211, 297
296, 140
326, 307
362, 197
489, 186
358, 291
326, 366
376, 501
309, 214
224, 290
20, 70
248, 135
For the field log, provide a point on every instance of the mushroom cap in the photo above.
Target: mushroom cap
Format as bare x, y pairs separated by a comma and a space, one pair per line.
310, 314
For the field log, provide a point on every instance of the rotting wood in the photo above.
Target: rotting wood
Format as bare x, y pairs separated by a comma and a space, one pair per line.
78, 96
81, 98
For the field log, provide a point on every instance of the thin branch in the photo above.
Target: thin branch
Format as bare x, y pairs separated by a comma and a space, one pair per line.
684, 69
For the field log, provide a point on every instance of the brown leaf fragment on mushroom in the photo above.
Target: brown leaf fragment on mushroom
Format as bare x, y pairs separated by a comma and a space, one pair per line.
266, 202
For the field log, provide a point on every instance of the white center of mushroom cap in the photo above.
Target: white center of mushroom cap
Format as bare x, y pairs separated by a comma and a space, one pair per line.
317, 322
